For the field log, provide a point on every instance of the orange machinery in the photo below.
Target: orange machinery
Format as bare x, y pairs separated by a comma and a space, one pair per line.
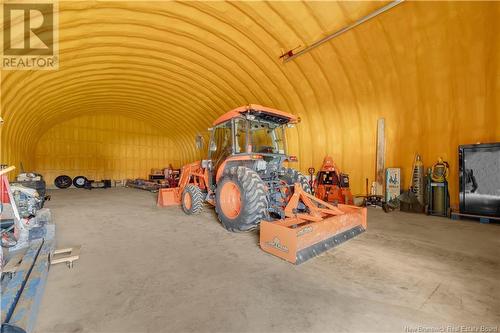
246, 180
305, 233
331, 185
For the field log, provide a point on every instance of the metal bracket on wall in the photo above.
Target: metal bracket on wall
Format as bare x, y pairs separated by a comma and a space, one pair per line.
289, 55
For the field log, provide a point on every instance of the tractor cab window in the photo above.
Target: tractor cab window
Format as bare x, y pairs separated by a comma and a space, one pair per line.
240, 131
220, 144
267, 137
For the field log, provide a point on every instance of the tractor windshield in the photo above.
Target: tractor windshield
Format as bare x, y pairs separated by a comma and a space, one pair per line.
267, 138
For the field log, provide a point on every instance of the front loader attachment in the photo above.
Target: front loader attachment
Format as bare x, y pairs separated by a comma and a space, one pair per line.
191, 173
306, 233
169, 197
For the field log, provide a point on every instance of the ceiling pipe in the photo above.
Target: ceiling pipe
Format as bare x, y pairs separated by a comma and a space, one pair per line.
341, 31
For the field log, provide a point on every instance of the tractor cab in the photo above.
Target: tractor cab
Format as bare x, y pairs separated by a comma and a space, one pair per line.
253, 133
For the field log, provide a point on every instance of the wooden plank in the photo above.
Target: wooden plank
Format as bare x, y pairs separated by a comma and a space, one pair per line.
66, 255
380, 168
64, 250
6, 170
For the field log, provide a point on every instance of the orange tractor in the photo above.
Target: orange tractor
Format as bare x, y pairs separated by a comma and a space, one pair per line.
331, 185
244, 177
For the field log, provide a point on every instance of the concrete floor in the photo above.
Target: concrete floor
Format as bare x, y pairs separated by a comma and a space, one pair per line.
147, 269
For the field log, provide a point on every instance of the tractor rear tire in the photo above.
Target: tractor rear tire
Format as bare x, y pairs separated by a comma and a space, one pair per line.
292, 176
241, 199
192, 200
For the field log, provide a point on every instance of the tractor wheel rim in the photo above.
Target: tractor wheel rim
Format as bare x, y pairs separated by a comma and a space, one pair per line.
188, 202
230, 200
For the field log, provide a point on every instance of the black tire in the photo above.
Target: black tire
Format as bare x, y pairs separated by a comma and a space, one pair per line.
253, 199
196, 196
63, 181
292, 176
79, 181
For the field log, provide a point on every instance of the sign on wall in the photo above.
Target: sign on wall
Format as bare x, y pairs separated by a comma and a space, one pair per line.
393, 183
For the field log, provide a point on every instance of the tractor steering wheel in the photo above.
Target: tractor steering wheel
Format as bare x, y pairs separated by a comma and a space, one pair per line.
266, 149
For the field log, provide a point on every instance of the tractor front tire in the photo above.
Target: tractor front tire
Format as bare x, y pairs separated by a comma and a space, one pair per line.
292, 176
192, 200
241, 199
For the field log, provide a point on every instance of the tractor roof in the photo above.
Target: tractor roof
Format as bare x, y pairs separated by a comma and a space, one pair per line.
261, 112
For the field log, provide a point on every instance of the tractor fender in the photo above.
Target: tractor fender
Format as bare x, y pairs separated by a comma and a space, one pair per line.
245, 160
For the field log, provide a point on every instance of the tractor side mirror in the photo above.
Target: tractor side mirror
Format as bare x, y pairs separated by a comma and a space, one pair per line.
199, 141
212, 146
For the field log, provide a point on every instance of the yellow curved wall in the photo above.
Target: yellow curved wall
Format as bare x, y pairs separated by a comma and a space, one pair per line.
429, 68
103, 147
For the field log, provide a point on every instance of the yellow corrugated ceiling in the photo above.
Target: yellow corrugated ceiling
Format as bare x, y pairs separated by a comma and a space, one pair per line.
429, 68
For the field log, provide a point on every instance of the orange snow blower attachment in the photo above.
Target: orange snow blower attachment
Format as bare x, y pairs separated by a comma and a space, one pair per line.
331, 185
311, 227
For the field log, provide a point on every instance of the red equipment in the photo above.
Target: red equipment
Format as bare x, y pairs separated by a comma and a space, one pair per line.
331, 185
7, 198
